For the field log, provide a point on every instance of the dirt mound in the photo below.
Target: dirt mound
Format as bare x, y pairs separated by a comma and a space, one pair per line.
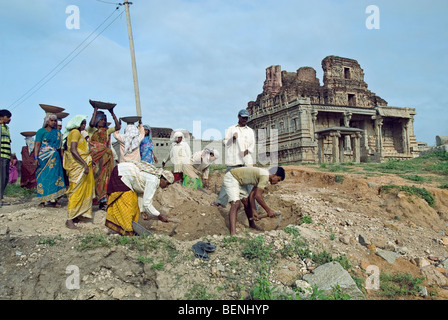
333, 211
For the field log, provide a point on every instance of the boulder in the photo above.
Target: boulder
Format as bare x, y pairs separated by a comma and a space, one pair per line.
389, 256
327, 276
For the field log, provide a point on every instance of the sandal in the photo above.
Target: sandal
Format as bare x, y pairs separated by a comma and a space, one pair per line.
207, 246
200, 253
5, 203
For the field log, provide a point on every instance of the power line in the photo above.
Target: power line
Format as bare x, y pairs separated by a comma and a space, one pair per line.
115, 3
60, 63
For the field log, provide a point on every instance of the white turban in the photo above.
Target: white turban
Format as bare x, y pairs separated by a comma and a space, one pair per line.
215, 153
176, 135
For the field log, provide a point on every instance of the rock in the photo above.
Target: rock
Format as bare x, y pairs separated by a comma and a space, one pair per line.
423, 291
422, 262
364, 265
442, 270
403, 250
379, 242
363, 240
444, 264
389, 256
433, 276
327, 276
445, 241
304, 289
345, 239
220, 267
4, 231
389, 245
288, 272
118, 293
373, 185
433, 258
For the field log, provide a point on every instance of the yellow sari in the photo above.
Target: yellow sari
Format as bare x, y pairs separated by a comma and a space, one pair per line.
82, 187
122, 209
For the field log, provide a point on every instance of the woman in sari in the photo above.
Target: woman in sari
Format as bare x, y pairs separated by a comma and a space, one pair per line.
28, 169
13, 172
78, 164
47, 159
147, 147
101, 152
130, 142
131, 189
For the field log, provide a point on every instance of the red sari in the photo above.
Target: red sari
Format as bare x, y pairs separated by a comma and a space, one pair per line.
102, 160
27, 170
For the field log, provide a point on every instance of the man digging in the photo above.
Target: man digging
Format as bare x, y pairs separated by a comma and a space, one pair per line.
235, 182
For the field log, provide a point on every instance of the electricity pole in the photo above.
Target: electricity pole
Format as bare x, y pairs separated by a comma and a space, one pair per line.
134, 66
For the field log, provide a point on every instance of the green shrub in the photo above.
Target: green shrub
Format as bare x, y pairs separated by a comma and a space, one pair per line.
15, 190
413, 177
338, 178
256, 249
412, 191
399, 284
263, 289
306, 219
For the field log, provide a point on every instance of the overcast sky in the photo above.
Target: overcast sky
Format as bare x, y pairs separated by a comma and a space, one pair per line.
204, 60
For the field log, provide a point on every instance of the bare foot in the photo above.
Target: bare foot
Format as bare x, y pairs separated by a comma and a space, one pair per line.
162, 218
254, 226
145, 216
71, 225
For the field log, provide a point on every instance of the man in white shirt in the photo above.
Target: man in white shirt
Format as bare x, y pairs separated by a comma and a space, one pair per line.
180, 154
239, 145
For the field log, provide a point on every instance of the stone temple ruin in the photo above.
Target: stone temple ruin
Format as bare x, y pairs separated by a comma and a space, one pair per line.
339, 121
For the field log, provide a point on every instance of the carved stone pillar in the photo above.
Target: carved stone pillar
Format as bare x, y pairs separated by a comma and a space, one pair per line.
335, 150
405, 136
379, 135
347, 117
313, 119
357, 147
341, 149
320, 148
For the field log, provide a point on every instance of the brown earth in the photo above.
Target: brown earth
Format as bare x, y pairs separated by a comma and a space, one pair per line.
37, 248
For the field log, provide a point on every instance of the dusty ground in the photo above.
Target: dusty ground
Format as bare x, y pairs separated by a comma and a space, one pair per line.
37, 250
